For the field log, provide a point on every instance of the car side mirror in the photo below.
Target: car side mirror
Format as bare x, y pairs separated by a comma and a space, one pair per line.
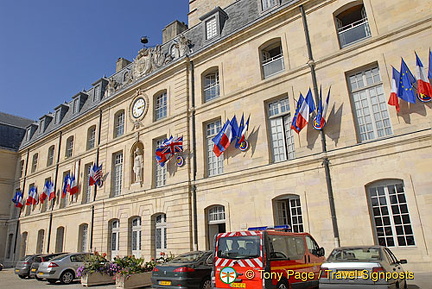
320, 252
403, 261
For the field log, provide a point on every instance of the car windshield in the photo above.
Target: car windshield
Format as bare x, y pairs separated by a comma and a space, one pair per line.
26, 257
241, 247
187, 257
355, 254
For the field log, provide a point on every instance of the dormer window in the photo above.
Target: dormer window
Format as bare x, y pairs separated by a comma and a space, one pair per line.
211, 28
57, 117
76, 106
214, 22
267, 4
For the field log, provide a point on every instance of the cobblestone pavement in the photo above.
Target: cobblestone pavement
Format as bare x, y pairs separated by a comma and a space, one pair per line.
8, 280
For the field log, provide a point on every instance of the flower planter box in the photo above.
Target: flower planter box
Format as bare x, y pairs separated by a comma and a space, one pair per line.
133, 281
96, 278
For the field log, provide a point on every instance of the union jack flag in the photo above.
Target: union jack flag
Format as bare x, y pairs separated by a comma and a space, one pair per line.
168, 148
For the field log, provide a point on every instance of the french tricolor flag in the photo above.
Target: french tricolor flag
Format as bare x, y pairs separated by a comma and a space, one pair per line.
73, 186
394, 100
223, 139
306, 108
33, 197
424, 88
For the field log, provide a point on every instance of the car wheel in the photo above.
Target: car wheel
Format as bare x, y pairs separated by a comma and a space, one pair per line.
37, 278
67, 277
22, 276
51, 281
283, 284
206, 284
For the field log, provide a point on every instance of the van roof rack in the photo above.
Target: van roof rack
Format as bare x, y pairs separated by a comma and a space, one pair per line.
286, 228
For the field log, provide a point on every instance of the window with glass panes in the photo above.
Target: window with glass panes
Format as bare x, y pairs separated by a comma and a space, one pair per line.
119, 124
282, 136
87, 197
370, 104
161, 106
267, 4
34, 162
69, 146
211, 28
91, 137
214, 163
390, 214
115, 237
289, 212
117, 173
160, 234
50, 157
216, 213
83, 238
211, 86
160, 171
136, 237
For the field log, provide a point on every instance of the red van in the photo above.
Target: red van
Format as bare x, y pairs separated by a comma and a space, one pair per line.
266, 257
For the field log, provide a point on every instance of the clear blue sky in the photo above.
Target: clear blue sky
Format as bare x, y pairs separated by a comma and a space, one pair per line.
52, 49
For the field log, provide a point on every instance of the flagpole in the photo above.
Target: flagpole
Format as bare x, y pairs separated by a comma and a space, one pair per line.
326, 161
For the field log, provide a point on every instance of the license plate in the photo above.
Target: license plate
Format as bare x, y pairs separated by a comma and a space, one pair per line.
238, 285
16, 270
165, 283
40, 273
33, 270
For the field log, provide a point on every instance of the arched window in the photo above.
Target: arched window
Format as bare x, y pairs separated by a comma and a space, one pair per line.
390, 213
160, 234
210, 84
23, 248
135, 239
9, 246
69, 146
114, 238
117, 174
91, 137
34, 162
287, 211
50, 157
119, 119
40, 240
160, 105
352, 24
83, 238
272, 61
216, 223
59, 240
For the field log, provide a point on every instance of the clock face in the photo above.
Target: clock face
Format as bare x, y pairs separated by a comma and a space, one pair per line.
138, 107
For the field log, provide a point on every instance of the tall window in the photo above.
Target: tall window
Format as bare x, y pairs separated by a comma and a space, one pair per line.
63, 197
211, 28
216, 223
115, 237
272, 58
136, 237
161, 105
117, 173
267, 4
214, 164
9, 246
282, 135
83, 238
288, 212
160, 172
119, 123
23, 247
69, 146
390, 214
370, 104
34, 162
50, 157
87, 197
352, 25
91, 137
211, 85
160, 234
21, 168
39, 243
59, 240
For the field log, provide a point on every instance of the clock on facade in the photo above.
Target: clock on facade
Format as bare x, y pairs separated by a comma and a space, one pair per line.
138, 107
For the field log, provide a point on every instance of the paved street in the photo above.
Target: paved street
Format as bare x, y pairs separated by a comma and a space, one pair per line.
9, 280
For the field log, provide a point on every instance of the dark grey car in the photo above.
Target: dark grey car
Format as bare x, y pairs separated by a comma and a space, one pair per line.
22, 267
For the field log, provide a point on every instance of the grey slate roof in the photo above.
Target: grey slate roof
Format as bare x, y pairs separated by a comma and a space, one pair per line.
12, 130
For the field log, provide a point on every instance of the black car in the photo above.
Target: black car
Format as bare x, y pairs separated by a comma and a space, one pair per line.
22, 267
39, 259
1, 266
189, 270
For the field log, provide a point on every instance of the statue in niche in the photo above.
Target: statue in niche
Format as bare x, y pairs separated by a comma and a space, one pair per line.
138, 165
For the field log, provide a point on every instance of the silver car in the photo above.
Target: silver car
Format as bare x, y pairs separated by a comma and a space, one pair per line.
363, 267
62, 268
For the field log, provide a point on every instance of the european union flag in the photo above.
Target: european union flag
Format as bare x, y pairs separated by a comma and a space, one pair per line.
406, 81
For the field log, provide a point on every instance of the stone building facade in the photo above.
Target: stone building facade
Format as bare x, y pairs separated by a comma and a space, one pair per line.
363, 179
